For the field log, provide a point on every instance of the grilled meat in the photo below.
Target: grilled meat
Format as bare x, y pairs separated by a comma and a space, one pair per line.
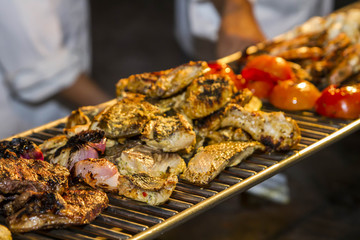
79, 120
20, 147
86, 144
209, 161
227, 134
97, 173
125, 118
169, 134
272, 129
207, 94
19, 174
49, 209
146, 174
50, 146
162, 84
145, 188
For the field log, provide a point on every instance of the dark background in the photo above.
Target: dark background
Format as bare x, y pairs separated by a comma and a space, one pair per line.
137, 36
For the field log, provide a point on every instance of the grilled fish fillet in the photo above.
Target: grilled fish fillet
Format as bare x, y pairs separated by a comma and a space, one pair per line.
169, 134
162, 84
126, 118
207, 94
272, 129
209, 161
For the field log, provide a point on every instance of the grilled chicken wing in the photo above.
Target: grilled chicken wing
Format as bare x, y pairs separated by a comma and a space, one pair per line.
207, 94
209, 161
169, 134
46, 210
272, 129
125, 118
162, 84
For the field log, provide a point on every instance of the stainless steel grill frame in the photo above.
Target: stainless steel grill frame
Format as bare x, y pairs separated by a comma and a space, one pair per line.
128, 219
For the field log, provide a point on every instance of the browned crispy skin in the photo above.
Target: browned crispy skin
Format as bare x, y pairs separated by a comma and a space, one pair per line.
209, 161
125, 118
162, 84
207, 94
169, 134
272, 129
47, 210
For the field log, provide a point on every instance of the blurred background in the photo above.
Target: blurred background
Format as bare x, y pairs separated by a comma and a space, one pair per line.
138, 36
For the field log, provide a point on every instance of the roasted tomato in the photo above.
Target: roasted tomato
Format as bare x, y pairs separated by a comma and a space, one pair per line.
267, 68
263, 72
261, 89
343, 102
222, 68
294, 95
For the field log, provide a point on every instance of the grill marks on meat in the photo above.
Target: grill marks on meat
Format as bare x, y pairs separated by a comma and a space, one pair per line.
162, 84
207, 94
209, 161
126, 118
19, 174
46, 210
169, 134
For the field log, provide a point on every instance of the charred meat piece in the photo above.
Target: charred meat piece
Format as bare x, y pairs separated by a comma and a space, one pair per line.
227, 134
207, 94
87, 144
125, 118
274, 129
169, 134
209, 161
97, 173
18, 175
21, 147
162, 84
47, 210
79, 120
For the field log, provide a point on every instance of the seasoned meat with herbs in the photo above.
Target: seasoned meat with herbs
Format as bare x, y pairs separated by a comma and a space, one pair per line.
49, 209
209, 161
162, 84
126, 118
207, 94
169, 134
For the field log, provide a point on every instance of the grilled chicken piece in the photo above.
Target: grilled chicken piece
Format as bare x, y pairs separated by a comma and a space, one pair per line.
209, 161
145, 188
97, 173
87, 144
19, 174
146, 174
48, 209
162, 84
207, 94
20, 147
170, 134
272, 129
227, 134
125, 118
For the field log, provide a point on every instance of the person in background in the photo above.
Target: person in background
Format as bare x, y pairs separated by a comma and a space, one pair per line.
44, 62
210, 29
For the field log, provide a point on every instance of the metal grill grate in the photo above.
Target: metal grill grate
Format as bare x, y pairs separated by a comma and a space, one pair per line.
125, 219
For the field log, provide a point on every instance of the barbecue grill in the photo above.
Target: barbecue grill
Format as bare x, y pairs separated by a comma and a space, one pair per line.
125, 218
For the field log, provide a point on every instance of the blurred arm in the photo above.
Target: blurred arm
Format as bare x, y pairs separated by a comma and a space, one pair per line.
238, 28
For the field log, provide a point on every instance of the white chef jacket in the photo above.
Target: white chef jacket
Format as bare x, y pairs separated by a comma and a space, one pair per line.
199, 18
44, 46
